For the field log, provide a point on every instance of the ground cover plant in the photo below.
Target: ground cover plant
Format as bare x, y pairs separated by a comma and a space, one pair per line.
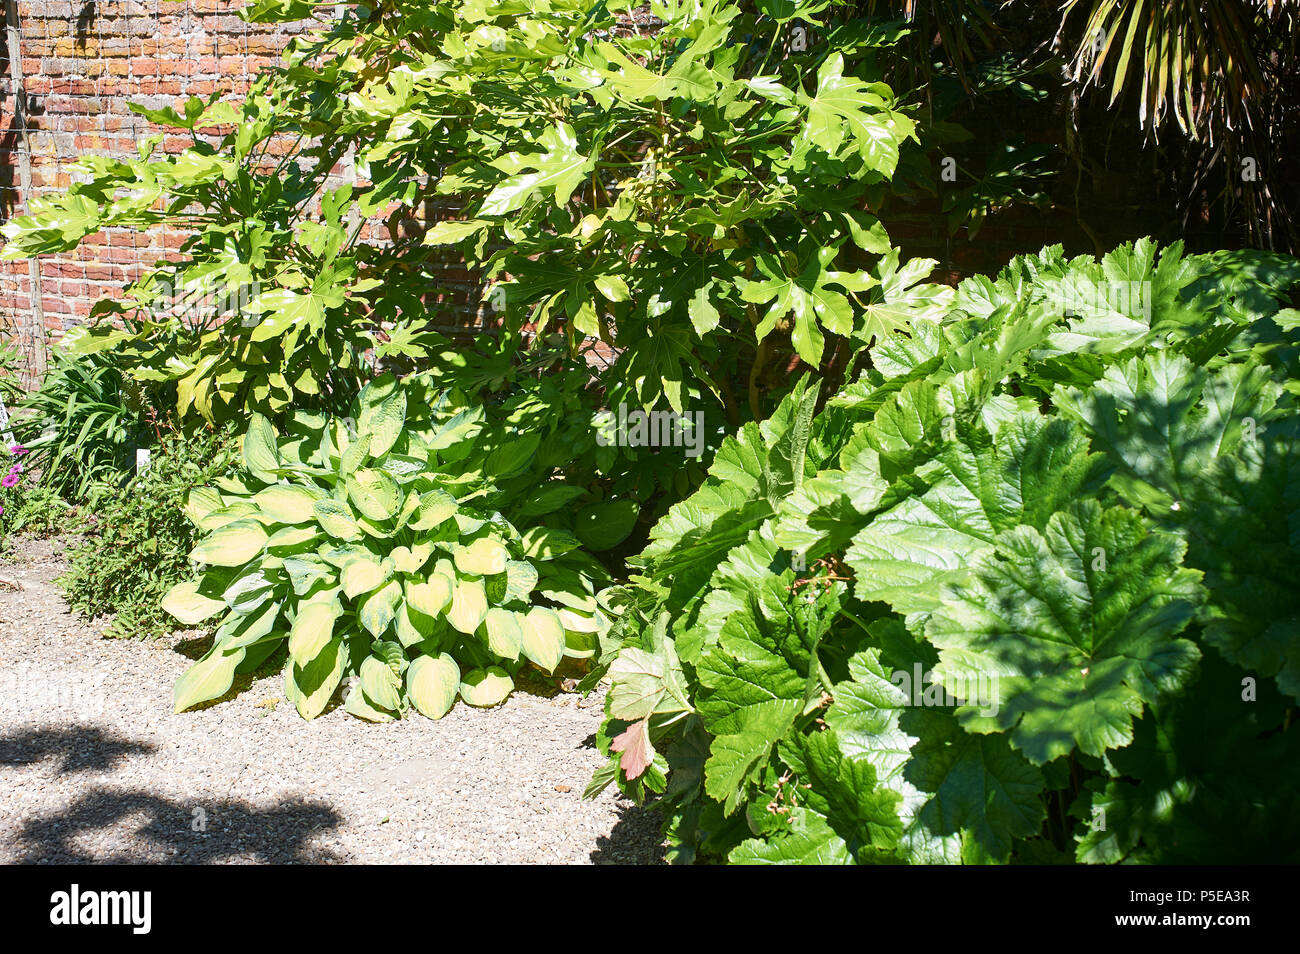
1021, 592
137, 539
25, 506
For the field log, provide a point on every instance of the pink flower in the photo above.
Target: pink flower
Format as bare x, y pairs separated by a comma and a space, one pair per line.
18, 450
9, 480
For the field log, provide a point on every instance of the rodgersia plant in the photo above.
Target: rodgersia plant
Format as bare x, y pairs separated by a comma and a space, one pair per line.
1025, 591
371, 547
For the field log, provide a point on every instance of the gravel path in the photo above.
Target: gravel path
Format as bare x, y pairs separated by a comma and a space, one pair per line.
95, 767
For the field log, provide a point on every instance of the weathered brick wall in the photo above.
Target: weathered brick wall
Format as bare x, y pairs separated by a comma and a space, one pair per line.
82, 62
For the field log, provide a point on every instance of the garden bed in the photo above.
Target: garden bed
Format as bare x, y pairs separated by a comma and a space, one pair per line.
94, 766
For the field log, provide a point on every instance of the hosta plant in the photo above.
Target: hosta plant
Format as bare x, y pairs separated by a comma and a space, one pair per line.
1022, 592
370, 550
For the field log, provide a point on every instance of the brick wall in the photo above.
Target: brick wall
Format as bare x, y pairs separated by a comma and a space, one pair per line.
82, 62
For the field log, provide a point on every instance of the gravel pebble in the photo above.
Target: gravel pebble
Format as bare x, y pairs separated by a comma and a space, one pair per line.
95, 767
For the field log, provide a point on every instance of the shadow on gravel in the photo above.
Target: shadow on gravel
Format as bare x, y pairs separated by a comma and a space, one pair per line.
159, 831
80, 749
132, 826
634, 839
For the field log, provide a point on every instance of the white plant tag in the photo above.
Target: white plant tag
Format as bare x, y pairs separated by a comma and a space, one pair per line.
4, 425
141, 459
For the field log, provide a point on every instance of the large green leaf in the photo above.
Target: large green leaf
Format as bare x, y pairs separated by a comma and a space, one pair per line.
807, 298
556, 170
1243, 528
976, 487
1079, 624
846, 112
1166, 421
962, 796
757, 681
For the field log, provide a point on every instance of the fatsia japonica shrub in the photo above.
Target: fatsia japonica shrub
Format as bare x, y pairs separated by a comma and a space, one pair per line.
1024, 591
695, 188
371, 550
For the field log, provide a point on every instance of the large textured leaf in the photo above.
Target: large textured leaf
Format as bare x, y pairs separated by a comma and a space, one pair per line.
1078, 623
505, 636
361, 575
825, 512
430, 597
377, 611
976, 487
812, 842
383, 412
979, 794
1166, 421
1243, 529
260, 454
312, 630
1208, 779
645, 683
757, 680
962, 796
845, 792
751, 474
